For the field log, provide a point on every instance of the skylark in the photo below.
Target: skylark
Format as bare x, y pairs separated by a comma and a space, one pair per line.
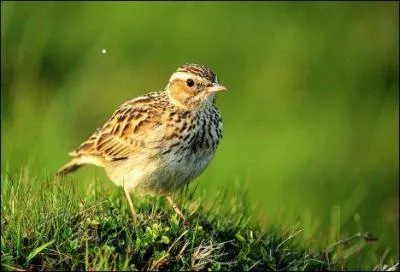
158, 142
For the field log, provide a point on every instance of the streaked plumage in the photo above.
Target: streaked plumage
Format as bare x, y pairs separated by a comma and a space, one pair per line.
160, 141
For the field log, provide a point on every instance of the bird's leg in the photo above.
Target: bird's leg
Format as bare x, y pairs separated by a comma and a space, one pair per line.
175, 207
130, 203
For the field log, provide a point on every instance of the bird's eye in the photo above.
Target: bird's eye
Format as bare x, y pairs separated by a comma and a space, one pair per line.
190, 82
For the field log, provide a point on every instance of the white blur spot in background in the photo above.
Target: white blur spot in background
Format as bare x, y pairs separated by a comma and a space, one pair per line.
103, 51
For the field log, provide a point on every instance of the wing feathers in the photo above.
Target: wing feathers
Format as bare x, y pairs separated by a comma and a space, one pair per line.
127, 130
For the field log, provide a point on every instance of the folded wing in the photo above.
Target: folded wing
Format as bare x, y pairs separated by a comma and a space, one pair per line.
133, 125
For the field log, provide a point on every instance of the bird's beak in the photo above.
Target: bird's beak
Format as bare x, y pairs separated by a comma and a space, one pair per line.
216, 88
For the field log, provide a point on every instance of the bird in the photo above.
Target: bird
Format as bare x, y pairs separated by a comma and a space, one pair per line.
159, 142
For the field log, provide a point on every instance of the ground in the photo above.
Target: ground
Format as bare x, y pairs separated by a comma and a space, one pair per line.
54, 227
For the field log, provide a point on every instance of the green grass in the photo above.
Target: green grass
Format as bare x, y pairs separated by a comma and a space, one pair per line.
54, 226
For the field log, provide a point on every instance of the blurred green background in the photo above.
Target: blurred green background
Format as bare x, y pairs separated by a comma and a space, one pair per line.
310, 118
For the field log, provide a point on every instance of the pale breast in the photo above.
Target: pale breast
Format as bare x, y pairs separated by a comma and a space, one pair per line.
187, 151
187, 156
188, 145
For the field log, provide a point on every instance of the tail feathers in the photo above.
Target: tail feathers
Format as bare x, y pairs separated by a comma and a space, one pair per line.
71, 166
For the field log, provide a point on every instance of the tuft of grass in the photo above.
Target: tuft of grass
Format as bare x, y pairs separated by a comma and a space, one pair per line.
53, 226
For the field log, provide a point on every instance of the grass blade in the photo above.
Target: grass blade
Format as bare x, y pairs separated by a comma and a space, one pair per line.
37, 250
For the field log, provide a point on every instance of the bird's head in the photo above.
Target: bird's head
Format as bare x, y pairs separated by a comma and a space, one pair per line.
193, 86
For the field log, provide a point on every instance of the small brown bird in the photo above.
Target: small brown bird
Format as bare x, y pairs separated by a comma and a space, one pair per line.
158, 142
